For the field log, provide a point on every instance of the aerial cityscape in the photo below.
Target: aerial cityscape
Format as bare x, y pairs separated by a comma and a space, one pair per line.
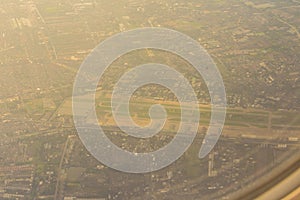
254, 43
